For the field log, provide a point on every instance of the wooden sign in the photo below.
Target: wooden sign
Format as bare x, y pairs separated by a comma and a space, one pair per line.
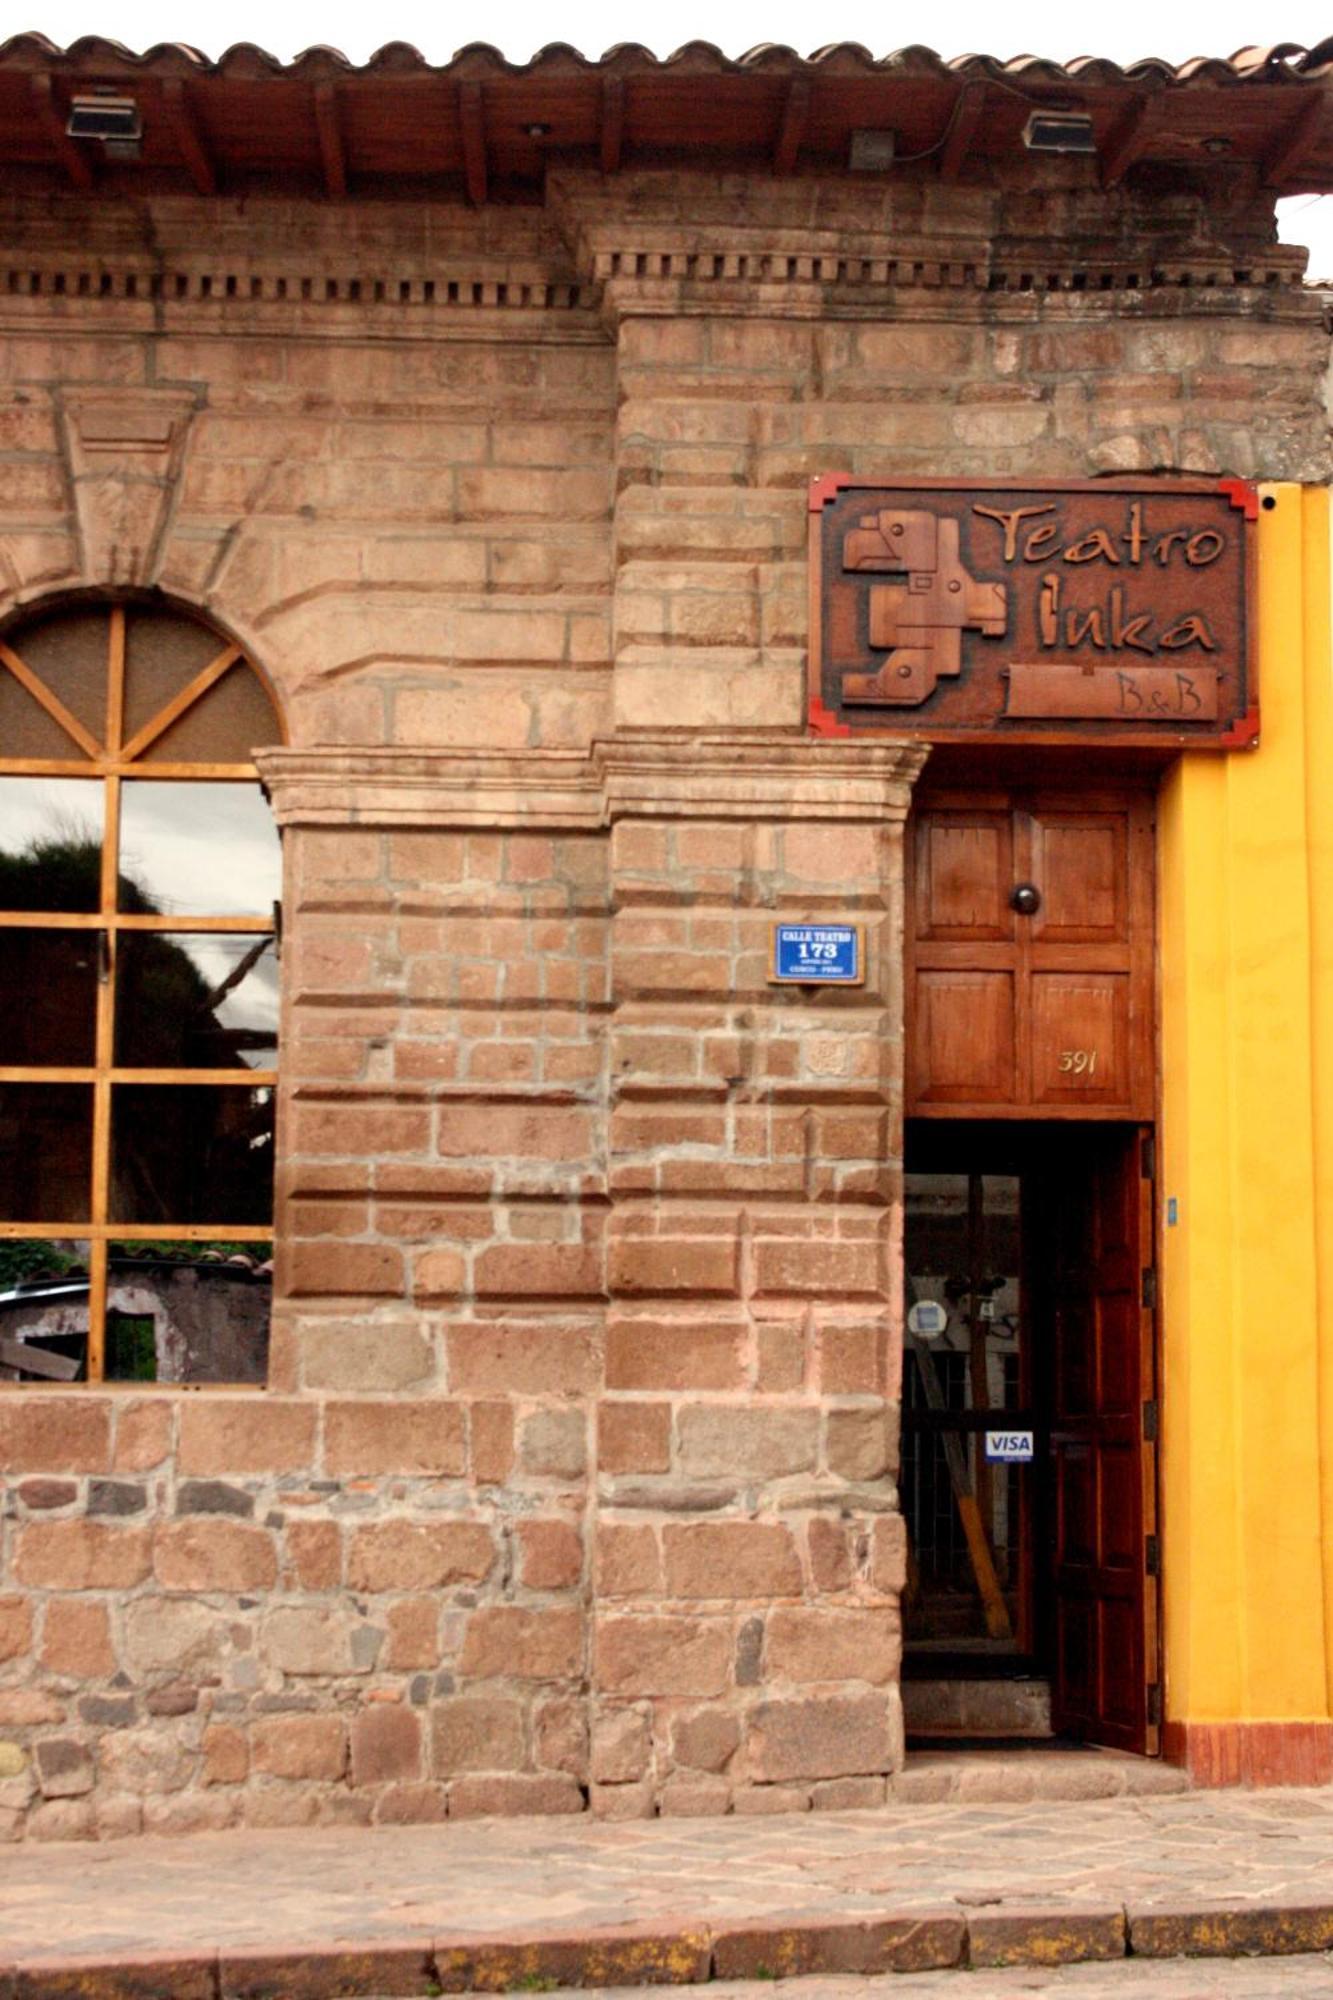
1111, 611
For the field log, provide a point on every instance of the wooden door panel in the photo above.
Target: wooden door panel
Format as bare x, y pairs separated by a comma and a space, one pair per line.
1118, 1357
963, 1039
1080, 862
1076, 1658
964, 875
1118, 1508
1081, 1010
1091, 1277
1119, 1693
1080, 1038
1076, 1509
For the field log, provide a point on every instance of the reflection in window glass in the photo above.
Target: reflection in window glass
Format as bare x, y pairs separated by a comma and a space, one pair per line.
48, 996
188, 1312
50, 843
43, 1309
191, 1153
45, 1152
197, 848
202, 1001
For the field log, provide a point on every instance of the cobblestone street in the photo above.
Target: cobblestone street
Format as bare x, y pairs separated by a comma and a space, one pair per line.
538, 1904
1301, 1978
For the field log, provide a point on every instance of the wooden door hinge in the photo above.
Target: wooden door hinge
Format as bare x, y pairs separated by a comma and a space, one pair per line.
1148, 1292
1154, 1717
1151, 1421
1152, 1556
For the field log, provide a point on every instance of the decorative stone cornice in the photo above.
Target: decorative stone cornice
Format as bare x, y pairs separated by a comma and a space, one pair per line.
318, 295
732, 777
716, 776
432, 788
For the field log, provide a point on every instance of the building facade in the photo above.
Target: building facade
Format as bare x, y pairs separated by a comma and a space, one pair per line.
435, 448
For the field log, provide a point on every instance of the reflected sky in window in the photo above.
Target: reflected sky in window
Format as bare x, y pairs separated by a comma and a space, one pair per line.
200, 849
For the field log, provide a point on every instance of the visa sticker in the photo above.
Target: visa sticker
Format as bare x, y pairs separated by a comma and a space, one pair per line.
1009, 1447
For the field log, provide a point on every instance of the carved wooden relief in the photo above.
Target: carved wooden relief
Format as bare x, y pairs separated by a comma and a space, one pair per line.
1093, 611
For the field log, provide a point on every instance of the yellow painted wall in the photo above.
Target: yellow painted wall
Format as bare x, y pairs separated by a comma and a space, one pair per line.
1246, 927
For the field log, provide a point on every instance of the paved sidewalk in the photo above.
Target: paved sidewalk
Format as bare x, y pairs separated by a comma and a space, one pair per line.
1306, 1978
532, 1904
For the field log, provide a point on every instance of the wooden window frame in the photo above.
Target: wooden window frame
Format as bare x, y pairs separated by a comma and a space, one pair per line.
116, 763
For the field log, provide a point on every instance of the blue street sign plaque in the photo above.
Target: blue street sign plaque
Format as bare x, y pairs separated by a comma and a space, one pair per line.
818, 954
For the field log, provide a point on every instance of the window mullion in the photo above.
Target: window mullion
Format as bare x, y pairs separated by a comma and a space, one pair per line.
105, 1040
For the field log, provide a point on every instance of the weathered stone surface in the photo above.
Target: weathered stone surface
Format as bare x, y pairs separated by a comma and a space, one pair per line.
299, 1746
477, 1733
1044, 1937
621, 1746
662, 1655
213, 1496
385, 1745
208, 1553
705, 1738
762, 1444
416, 1555
823, 1737
827, 1643
313, 1639
169, 1633
524, 1645
730, 1559
146, 1761
64, 1767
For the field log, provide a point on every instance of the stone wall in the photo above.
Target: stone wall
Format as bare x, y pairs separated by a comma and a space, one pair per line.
574, 1479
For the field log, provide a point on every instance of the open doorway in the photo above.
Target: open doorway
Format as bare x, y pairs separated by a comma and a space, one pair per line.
1028, 1462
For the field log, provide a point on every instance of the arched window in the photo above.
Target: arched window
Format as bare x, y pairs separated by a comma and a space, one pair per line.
139, 886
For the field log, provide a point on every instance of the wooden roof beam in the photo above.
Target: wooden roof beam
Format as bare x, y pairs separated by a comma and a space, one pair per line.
472, 124
611, 138
1128, 139
332, 147
962, 131
71, 157
1295, 141
795, 119
185, 132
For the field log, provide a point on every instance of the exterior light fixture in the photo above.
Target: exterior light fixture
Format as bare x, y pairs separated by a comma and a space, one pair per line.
872, 152
105, 118
1059, 132
113, 120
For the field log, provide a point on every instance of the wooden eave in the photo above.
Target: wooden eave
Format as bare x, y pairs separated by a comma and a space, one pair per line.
400, 126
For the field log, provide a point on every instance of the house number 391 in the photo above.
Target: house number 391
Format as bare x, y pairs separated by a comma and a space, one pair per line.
1078, 1062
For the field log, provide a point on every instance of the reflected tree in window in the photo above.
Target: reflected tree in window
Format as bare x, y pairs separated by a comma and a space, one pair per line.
139, 877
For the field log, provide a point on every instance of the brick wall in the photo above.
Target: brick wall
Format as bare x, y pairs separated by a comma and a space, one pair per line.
574, 1481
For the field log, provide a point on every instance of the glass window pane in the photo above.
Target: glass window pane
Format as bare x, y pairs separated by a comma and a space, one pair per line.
68, 652
225, 726
43, 1310
46, 1132
953, 1603
191, 1153
196, 848
162, 655
48, 996
29, 730
202, 1001
188, 1312
51, 843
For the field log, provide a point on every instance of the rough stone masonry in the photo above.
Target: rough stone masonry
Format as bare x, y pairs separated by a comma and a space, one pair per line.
573, 1484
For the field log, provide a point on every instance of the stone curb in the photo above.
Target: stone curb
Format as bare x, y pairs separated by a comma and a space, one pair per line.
939, 1939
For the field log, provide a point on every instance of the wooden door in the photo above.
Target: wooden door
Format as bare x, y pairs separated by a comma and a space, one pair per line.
1030, 956
1090, 1252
